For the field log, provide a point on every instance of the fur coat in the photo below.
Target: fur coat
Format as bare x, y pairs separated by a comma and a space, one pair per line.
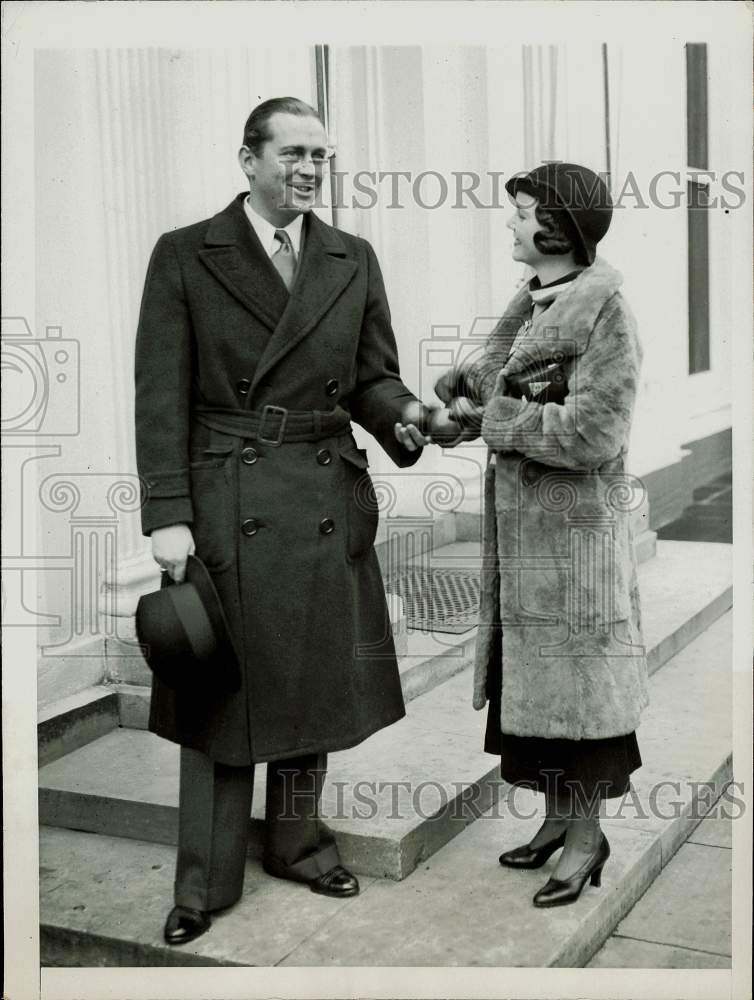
559, 585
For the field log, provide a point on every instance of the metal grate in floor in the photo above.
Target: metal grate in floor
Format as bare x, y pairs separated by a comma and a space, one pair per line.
438, 600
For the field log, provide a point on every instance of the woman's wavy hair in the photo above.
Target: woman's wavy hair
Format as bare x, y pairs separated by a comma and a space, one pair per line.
558, 234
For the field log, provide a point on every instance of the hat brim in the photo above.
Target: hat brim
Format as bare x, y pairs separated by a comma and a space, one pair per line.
224, 652
198, 574
185, 634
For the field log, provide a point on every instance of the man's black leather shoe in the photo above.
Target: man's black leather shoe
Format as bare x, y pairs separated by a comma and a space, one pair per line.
337, 882
185, 924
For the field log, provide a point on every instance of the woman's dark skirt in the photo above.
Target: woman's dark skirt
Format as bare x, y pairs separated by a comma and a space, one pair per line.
602, 767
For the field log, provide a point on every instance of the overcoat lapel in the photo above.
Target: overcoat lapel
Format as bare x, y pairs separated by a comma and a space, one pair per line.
238, 260
563, 330
323, 273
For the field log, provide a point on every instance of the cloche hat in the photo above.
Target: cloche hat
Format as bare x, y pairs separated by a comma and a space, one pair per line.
576, 190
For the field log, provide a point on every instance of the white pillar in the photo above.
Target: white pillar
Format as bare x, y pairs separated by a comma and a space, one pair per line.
648, 243
130, 143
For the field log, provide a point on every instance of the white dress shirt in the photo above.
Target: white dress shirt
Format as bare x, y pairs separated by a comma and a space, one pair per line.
266, 231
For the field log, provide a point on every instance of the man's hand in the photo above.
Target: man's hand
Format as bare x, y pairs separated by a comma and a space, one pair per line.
171, 547
410, 431
410, 436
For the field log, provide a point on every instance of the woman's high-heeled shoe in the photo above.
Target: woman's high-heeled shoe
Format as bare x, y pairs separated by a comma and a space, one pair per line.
558, 892
531, 857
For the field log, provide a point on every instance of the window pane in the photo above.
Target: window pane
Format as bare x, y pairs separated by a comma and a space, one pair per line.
696, 104
698, 225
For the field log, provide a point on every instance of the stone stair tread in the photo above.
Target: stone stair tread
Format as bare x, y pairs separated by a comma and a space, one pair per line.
75, 720
445, 913
72, 702
440, 736
705, 569
119, 904
685, 738
136, 764
126, 781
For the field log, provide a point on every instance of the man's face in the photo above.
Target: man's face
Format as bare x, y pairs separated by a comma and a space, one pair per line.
286, 175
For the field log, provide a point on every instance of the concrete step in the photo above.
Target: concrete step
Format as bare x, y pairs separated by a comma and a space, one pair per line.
101, 787
458, 908
710, 526
72, 722
673, 616
126, 784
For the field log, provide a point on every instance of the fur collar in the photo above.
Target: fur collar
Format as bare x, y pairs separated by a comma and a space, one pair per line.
562, 330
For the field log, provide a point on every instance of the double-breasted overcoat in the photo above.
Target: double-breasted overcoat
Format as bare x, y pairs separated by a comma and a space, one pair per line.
286, 530
559, 583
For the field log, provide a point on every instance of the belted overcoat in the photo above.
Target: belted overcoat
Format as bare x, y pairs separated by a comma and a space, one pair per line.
286, 529
559, 570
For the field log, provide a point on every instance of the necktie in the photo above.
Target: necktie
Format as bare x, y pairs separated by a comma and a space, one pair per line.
284, 258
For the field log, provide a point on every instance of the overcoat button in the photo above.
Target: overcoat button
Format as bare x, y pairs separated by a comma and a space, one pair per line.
331, 388
327, 526
324, 457
249, 456
243, 385
250, 527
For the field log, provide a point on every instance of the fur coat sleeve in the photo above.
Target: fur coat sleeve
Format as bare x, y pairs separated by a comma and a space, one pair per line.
592, 425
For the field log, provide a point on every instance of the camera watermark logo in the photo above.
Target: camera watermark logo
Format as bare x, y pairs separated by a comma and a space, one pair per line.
40, 381
80, 513
446, 350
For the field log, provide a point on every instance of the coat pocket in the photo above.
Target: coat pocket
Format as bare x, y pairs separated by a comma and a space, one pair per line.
362, 514
213, 498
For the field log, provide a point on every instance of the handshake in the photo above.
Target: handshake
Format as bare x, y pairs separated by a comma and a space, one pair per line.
460, 419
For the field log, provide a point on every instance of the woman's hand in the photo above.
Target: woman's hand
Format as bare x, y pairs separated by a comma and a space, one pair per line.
466, 413
501, 386
171, 547
445, 386
443, 429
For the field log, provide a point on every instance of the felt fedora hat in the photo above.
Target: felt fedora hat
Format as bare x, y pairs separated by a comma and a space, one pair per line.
575, 190
184, 634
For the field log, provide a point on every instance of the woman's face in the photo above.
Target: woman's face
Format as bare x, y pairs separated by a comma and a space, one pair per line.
523, 223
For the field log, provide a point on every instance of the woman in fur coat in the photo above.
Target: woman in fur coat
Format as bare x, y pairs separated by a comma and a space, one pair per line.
560, 659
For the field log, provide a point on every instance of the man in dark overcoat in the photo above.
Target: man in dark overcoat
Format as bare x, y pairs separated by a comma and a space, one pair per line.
263, 332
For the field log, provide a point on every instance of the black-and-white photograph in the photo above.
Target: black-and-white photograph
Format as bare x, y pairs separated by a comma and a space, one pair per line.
377, 468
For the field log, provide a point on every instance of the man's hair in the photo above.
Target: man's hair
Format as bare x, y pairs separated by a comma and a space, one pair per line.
256, 131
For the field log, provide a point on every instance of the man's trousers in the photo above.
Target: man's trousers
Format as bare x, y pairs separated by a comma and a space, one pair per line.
213, 823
